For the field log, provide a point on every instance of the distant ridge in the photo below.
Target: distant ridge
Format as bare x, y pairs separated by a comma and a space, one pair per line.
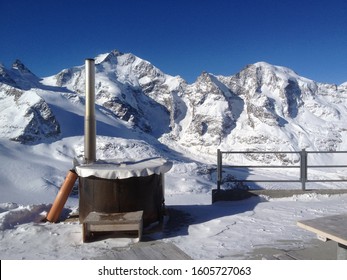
263, 106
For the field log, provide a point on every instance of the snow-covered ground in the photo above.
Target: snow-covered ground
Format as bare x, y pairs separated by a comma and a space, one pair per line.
30, 177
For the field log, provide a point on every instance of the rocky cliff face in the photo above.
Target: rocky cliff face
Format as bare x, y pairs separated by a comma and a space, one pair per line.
285, 109
131, 88
25, 117
210, 112
18, 76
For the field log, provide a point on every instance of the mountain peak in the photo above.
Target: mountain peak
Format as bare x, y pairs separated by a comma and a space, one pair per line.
263, 64
264, 69
19, 65
204, 76
116, 53
108, 57
274, 68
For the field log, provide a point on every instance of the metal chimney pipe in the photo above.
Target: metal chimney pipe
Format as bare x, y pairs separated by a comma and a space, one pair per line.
89, 118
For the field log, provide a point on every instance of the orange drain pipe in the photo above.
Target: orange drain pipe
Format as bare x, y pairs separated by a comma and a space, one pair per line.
61, 198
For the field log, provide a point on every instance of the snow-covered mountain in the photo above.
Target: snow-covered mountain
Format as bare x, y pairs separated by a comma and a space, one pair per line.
129, 87
24, 115
261, 107
285, 111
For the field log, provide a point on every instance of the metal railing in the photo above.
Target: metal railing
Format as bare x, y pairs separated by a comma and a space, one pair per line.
303, 166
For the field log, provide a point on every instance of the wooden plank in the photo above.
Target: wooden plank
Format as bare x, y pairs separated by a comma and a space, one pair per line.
113, 227
111, 222
170, 251
110, 218
283, 257
330, 227
155, 250
294, 255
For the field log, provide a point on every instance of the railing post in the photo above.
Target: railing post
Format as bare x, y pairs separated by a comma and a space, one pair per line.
303, 169
219, 169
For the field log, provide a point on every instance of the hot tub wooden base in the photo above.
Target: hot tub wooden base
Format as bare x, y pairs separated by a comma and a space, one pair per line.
111, 222
123, 195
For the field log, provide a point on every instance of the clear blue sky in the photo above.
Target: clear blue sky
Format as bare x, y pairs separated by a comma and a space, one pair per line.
180, 37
